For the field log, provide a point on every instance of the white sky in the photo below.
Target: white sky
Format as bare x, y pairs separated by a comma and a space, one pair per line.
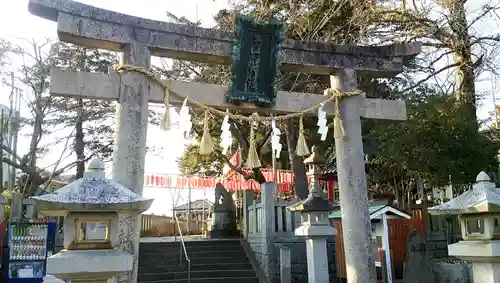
16, 23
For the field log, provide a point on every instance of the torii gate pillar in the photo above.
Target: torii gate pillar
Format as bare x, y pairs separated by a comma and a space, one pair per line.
129, 154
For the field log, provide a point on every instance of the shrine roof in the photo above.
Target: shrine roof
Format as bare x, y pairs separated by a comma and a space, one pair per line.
375, 211
484, 197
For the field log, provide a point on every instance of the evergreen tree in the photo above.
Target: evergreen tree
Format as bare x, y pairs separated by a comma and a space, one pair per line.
92, 119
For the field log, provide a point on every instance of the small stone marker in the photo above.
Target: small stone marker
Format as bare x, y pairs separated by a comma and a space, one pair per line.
417, 267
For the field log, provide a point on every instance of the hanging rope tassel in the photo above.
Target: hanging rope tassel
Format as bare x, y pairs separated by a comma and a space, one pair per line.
207, 145
165, 121
338, 126
302, 149
253, 160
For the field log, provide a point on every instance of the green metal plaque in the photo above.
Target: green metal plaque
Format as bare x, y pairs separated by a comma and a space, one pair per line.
255, 61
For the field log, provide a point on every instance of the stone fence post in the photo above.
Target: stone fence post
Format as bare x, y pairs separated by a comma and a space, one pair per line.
247, 200
268, 204
267, 229
285, 265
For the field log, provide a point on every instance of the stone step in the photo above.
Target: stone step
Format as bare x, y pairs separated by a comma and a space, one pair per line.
192, 254
177, 248
209, 280
194, 267
205, 260
151, 277
211, 261
199, 243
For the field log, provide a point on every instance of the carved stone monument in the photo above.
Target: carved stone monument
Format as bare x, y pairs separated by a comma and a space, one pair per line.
417, 266
223, 214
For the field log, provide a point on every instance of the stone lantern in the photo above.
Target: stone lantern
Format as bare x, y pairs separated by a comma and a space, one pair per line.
478, 211
91, 206
315, 226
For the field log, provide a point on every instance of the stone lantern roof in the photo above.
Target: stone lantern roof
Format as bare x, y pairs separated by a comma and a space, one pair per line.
316, 200
483, 198
92, 193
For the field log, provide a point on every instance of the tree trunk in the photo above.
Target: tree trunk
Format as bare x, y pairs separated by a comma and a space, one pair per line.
244, 147
79, 135
462, 56
2, 187
79, 144
34, 180
297, 163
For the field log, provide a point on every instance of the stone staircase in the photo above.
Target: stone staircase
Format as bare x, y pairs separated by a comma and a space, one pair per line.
222, 261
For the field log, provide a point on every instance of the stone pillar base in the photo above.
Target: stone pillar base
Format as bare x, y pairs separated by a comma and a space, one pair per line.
486, 272
317, 260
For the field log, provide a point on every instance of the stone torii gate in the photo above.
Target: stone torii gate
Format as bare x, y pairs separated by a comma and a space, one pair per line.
138, 39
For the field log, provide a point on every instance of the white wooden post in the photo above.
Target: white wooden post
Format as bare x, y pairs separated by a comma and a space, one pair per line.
30, 211
387, 248
16, 208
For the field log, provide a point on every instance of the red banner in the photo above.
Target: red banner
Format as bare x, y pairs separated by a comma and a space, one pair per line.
235, 182
231, 181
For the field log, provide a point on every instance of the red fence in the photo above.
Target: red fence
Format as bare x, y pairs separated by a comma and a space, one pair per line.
398, 236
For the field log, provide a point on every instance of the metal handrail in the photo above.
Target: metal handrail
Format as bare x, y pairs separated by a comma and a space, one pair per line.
183, 248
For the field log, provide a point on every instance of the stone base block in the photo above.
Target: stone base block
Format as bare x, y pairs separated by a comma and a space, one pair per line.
451, 272
486, 272
224, 225
96, 265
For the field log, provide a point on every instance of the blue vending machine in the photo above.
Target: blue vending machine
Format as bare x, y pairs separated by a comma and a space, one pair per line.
28, 240
51, 238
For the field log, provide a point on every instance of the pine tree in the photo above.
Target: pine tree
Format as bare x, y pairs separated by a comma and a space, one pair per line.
90, 118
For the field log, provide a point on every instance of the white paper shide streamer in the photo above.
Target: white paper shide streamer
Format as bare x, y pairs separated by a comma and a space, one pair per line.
275, 140
226, 139
185, 123
323, 129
